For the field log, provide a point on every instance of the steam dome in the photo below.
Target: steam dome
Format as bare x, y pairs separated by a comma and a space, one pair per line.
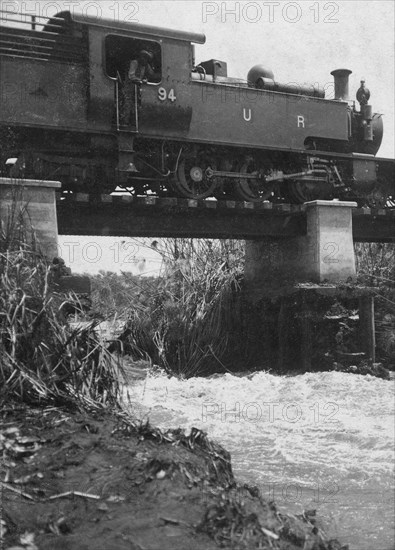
259, 71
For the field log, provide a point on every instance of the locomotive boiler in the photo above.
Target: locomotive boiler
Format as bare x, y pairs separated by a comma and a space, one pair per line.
191, 131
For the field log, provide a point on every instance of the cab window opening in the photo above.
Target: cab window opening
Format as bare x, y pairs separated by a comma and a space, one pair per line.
120, 51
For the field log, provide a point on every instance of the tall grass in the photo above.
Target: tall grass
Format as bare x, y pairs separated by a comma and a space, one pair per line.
192, 319
196, 306
15, 228
42, 358
376, 268
188, 320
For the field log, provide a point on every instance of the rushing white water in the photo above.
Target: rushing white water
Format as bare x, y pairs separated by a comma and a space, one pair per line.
318, 440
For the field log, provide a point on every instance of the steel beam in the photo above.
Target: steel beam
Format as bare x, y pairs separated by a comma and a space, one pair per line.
127, 216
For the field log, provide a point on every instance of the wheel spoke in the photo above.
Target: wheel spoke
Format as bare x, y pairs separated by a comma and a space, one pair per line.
252, 190
191, 180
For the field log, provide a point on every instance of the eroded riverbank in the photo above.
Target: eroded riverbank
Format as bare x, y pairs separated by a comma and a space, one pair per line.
83, 481
317, 440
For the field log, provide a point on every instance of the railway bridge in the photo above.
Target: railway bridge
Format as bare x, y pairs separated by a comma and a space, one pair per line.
128, 216
319, 229
286, 245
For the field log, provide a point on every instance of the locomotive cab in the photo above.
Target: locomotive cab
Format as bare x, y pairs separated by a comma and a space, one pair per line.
120, 50
112, 46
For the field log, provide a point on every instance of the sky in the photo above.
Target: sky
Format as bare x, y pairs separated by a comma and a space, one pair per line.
301, 41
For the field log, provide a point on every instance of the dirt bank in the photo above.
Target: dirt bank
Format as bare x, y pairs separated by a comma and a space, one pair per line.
79, 481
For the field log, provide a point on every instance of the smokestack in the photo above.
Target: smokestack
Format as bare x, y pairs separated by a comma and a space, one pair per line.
341, 83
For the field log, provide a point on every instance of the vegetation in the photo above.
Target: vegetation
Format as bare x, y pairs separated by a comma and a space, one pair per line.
42, 358
376, 268
187, 319
192, 319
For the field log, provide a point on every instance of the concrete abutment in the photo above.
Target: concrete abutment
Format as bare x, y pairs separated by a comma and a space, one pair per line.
28, 208
28, 215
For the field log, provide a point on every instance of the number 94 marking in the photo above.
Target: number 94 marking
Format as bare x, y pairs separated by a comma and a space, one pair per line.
163, 94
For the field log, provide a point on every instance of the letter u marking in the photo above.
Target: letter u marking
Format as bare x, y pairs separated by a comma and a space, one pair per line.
247, 114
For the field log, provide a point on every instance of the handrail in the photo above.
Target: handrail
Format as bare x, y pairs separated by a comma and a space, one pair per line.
29, 15
33, 24
51, 45
31, 21
44, 40
116, 82
54, 38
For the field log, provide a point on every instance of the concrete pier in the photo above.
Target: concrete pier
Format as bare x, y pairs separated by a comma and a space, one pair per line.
304, 275
324, 254
28, 210
329, 242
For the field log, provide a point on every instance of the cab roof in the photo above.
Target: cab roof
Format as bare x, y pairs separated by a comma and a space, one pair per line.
136, 28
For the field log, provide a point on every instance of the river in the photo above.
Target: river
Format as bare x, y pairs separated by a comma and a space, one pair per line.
321, 441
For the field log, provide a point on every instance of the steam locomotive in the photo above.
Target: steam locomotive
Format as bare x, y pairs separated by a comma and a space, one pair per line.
194, 132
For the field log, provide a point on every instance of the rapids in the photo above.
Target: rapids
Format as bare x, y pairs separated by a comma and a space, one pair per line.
321, 441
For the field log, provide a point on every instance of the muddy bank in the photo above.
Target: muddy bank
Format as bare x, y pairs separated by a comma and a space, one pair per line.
79, 481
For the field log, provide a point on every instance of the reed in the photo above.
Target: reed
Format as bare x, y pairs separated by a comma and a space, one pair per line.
43, 358
376, 268
190, 324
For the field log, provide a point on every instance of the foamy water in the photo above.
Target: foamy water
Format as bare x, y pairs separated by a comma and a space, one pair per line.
318, 440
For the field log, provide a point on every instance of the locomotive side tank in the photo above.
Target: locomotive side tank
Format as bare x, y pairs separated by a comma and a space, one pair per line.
241, 115
190, 131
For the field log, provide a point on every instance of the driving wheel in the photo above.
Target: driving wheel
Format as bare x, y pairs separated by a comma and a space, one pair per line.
191, 180
252, 189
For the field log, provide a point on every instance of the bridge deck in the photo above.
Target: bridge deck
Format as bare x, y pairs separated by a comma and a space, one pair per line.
127, 216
